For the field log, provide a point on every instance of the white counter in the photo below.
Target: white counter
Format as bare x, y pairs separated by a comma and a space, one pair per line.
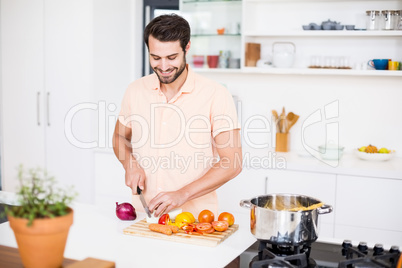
98, 233
349, 164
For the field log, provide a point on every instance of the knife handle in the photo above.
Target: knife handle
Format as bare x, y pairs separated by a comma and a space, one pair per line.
138, 190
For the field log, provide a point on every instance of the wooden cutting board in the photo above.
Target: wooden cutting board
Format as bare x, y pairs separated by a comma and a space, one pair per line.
211, 240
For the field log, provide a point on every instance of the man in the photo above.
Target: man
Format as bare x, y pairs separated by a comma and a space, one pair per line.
173, 125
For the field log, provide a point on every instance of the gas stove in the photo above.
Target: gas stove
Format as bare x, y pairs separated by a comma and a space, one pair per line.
320, 255
271, 255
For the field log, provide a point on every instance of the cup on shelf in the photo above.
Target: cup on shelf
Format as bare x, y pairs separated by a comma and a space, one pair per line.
331, 62
234, 63
220, 31
350, 27
315, 62
393, 65
378, 64
344, 63
198, 61
213, 61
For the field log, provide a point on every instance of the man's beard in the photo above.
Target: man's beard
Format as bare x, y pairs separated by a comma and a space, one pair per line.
168, 80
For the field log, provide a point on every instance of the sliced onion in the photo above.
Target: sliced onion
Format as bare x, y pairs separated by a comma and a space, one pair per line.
125, 212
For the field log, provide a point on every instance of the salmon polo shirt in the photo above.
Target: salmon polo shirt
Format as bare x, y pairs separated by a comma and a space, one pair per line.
173, 141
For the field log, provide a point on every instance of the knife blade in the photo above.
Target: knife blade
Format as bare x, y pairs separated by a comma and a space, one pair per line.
144, 204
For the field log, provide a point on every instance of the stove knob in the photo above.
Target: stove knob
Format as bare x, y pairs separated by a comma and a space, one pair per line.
378, 249
345, 245
362, 247
394, 249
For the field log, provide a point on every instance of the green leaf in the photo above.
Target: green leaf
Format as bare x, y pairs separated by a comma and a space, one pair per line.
39, 196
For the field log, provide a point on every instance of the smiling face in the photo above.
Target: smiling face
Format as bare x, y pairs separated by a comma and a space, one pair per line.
167, 59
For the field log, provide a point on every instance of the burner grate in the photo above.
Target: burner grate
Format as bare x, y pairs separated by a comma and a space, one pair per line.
271, 255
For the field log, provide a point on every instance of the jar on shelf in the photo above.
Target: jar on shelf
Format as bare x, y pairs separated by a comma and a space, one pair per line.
372, 19
389, 19
398, 21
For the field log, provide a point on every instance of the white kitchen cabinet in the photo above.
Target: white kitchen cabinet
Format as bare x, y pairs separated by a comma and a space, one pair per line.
364, 208
46, 71
368, 209
22, 88
317, 185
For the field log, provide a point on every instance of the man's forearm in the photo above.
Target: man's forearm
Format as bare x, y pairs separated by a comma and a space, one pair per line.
122, 149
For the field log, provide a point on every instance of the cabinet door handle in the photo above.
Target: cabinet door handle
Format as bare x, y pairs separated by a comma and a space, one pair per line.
38, 108
48, 108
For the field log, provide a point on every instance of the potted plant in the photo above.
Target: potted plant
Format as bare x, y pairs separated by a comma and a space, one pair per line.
42, 219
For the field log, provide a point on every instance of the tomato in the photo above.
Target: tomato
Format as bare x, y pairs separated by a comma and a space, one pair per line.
226, 216
188, 227
206, 216
220, 226
205, 227
164, 219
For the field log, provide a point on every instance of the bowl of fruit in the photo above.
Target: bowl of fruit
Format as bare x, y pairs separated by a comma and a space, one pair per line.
371, 152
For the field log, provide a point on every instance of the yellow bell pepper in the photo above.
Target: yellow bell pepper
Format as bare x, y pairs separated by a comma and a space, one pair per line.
183, 219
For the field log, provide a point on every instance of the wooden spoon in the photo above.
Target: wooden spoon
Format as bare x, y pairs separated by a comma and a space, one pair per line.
276, 116
292, 119
282, 122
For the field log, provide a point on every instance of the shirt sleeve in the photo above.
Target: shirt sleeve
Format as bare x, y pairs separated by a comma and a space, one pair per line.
223, 112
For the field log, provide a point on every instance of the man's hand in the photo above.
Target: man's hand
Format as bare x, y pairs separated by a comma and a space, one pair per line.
166, 201
135, 175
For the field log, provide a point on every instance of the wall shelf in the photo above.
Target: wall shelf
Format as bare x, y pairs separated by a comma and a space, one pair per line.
319, 1
302, 71
207, 1
323, 33
214, 34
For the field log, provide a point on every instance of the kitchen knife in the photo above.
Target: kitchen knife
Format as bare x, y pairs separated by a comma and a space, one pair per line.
144, 204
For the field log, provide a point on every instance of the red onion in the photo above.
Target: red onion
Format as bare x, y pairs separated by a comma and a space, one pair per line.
125, 212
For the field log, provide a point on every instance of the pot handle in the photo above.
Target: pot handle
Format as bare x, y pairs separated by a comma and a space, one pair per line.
324, 209
245, 203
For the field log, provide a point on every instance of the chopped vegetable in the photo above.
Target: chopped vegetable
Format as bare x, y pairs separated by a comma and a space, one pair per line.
164, 229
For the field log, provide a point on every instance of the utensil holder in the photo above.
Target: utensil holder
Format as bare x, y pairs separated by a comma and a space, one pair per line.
282, 142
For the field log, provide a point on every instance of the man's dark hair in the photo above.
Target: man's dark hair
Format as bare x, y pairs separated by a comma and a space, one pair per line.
167, 28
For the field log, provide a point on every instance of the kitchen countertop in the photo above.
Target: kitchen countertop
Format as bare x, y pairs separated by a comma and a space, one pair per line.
349, 164
98, 233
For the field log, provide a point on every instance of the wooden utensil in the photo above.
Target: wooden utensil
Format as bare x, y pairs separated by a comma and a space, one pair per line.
282, 122
291, 118
276, 116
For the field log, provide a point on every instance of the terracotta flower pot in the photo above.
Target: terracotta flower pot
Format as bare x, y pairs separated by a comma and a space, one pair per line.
42, 244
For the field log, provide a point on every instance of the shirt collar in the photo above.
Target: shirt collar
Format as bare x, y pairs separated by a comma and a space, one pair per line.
188, 85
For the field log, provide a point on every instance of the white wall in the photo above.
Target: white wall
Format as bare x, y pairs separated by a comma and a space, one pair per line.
117, 60
369, 107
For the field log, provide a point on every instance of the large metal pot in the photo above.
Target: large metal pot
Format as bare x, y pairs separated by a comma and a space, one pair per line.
271, 220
